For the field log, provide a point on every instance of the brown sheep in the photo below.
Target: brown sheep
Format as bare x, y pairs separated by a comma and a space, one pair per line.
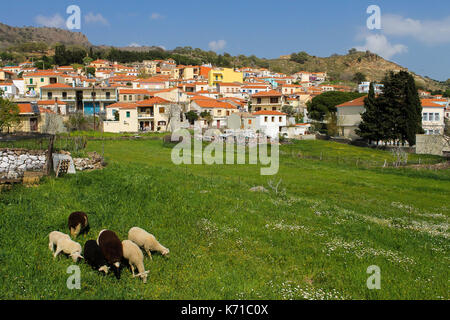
111, 247
78, 222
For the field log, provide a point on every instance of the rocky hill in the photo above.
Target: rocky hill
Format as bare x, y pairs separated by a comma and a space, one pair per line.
10, 36
343, 67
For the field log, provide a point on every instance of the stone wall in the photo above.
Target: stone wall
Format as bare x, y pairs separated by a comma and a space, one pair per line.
432, 144
14, 162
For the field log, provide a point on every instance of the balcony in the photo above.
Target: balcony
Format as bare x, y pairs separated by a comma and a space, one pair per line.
145, 115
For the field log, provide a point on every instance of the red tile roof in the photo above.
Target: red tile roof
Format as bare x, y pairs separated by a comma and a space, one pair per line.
270, 93
431, 103
358, 102
152, 101
122, 105
214, 104
57, 85
134, 91
25, 108
50, 102
269, 113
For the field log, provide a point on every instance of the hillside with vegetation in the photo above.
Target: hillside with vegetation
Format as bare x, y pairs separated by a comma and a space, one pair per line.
18, 43
13, 36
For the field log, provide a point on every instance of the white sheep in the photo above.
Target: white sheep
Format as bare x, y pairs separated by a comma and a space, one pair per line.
53, 238
144, 239
70, 247
134, 255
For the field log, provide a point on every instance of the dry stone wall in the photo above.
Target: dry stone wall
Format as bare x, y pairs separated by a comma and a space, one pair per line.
14, 162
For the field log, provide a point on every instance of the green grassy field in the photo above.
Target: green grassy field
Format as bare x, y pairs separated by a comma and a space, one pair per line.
314, 239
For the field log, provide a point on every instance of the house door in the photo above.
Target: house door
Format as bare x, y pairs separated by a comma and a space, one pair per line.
218, 123
79, 100
33, 124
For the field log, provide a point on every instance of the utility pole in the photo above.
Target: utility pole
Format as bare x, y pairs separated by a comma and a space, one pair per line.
93, 101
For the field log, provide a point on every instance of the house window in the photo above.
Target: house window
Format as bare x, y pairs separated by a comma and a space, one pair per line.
281, 119
31, 80
430, 117
274, 100
49, 95
258, 100
130, 97
424, 116
42, 79
64, 95
93, 94
436, 117
124, 98
128, 114
161, 110
265, 119
273, 119
108, 95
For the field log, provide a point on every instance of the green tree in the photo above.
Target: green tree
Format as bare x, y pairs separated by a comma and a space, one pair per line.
288, 109
9, 114
401, 107
359, 77
300, 57
371, 125
87, 60
326, 103
60, 57
191, 116
90, 70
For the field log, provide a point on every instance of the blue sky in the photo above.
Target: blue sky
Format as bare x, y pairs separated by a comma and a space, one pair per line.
415, 34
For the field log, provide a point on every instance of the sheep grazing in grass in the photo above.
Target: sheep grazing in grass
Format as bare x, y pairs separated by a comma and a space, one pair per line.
111, 248
134, 255
68, 246
78, 222
53, 238
94, 257
144, 239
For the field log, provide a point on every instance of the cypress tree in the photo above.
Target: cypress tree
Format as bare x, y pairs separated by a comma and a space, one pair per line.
413, 112
401, 108
369, 128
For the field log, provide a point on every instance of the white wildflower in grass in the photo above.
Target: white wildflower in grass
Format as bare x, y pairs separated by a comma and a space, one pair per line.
208, 226
281, 226
212, 229
430, 228
361, 250
402, 206
290, 291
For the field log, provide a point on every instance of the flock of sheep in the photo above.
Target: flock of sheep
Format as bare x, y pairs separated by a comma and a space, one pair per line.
108, 252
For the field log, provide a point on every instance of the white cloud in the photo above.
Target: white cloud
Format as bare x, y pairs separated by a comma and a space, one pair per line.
95, 18
134, 44
378, 43
156, 16
427, 31
55, 21
217, 45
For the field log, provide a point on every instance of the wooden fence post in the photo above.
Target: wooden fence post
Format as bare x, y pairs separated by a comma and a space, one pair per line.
50, 155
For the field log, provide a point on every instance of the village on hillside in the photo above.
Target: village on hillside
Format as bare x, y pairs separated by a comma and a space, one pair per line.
161, 96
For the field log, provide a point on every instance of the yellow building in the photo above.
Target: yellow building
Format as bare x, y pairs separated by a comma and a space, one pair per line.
35, 80
219, 75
